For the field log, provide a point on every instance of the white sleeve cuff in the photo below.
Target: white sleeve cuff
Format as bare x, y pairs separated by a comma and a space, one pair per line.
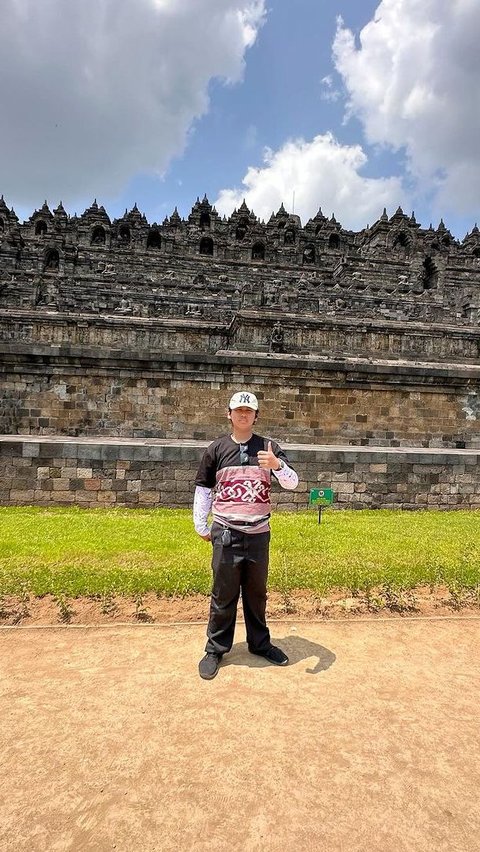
287, 477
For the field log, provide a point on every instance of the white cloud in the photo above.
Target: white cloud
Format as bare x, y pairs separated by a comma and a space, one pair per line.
319, 172
329, 92
96, 91
413, 82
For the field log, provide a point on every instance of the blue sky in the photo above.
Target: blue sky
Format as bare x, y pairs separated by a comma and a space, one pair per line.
278, 98
160, 101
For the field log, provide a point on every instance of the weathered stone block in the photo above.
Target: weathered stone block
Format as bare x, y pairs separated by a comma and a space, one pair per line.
92, 484
30, 450
345, 487
147, 498
61, 484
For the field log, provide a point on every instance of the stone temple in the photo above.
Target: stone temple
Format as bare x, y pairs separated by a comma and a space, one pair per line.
134, 330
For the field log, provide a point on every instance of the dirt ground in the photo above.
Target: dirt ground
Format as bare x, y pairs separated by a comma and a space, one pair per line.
368, 740
149, 608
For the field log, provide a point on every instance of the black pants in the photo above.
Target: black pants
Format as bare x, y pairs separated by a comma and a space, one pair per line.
243, 564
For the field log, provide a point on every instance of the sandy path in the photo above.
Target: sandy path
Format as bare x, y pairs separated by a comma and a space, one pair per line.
368, 740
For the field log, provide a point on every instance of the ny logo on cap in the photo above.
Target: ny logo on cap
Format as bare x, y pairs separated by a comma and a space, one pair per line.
245, 397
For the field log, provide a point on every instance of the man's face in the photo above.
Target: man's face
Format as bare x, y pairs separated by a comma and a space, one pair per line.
243, 417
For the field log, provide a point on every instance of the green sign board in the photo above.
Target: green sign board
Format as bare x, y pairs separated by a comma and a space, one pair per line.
321, 497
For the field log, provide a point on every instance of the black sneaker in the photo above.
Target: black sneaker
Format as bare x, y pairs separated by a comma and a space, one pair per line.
208, 666
273, 655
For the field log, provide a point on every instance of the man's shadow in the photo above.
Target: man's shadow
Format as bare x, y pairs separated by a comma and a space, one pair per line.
296, 647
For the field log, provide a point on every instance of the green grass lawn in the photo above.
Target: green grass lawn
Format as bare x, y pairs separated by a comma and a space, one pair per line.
72, 551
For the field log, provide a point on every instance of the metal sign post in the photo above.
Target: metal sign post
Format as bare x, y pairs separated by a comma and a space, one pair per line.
320, 497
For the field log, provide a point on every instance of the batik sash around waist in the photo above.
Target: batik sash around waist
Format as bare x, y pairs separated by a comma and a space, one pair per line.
242, 498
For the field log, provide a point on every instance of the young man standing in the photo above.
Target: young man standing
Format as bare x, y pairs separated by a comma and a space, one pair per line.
239, 466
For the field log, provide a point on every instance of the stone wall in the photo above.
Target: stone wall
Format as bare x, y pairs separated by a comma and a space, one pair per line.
68, 391
251, 332
123, 328
153, 473
69, 272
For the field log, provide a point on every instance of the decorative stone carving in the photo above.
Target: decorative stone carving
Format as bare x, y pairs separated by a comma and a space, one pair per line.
193, 310
276, 338
125, 306
47, 294
392, 270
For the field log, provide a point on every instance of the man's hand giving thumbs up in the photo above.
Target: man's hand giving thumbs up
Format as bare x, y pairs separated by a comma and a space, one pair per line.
267, 459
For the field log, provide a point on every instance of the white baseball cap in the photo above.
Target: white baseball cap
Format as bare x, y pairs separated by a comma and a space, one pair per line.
243, 398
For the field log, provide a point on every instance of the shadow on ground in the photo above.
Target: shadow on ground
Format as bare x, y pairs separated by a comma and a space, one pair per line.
296, 647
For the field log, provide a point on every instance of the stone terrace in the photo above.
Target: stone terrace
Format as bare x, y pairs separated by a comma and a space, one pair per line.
108, 472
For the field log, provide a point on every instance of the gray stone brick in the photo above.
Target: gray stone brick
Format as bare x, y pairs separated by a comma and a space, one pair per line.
30, 450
